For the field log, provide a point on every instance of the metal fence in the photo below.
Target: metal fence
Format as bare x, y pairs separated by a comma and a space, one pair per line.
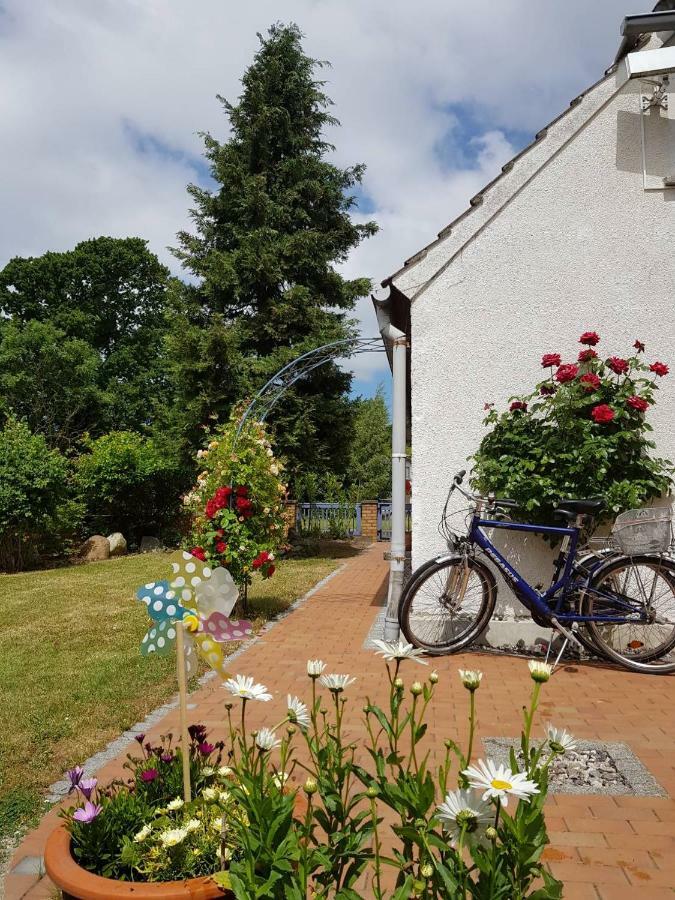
334, 519
384, 519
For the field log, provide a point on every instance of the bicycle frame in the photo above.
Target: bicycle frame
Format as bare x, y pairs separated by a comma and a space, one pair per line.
549, 604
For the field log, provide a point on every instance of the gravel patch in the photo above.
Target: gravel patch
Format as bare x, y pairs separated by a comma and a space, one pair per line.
593, 767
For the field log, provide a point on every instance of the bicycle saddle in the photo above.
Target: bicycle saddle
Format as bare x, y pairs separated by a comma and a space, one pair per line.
580, 507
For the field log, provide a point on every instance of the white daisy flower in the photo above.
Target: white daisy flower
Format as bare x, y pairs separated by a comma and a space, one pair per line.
463, 809
336, 683
399, 650
192, 825
141, 835
471, 678
209, 794
224, 796
175, 804
559, 740
266, 739
217, 824
499, 781
245, 687
173, 836
298, 713
224, 771
315, 667
208, 770
540, 671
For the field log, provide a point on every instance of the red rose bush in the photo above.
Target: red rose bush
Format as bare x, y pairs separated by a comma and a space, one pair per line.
237, 504
582, 432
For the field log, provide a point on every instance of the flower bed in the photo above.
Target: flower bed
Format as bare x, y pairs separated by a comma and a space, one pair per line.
457, 830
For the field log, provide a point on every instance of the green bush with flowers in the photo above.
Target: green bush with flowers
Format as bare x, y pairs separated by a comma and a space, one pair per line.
238, 502
581, 433
452, 829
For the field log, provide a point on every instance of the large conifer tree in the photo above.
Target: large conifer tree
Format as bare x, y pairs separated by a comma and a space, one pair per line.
266, 246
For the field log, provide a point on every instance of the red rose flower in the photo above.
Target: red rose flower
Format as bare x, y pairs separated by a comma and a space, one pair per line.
590, 381
638, 403
547, 389
550, 359
568, 372
659, 368
587, 355
244, 506
618, 365
211, 508
602, 413
221, 547
270, 571
199, 553
639, 346
222, 496
241, 491
518, 406
590, 337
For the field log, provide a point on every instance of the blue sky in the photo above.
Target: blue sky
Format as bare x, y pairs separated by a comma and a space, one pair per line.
101, 105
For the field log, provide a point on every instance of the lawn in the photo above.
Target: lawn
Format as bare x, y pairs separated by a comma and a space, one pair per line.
71, 675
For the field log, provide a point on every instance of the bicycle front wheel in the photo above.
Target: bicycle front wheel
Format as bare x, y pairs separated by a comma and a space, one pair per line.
648, 584
447, 604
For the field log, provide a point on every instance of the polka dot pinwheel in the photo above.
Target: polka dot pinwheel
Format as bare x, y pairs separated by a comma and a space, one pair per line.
201, 600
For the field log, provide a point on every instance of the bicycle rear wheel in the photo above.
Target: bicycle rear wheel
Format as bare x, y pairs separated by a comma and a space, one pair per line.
447, 604
649, 583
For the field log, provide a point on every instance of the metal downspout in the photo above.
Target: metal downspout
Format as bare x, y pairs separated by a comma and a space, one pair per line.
396, 340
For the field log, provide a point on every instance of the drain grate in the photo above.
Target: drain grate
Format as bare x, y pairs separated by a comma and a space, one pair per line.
593, 767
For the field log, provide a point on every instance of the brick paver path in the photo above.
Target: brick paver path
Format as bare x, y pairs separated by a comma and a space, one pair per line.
606, 848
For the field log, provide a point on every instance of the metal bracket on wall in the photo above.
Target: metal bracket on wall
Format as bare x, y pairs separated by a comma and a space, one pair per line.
658, 99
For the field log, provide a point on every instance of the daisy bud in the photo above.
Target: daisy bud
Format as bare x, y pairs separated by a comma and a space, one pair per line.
372, 792
427, 870
290, 729
491, 833
433, 678
540, 671
470, 679
310, 787
416, 688
398, 684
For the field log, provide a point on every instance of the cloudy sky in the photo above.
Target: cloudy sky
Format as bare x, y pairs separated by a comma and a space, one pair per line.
101, 102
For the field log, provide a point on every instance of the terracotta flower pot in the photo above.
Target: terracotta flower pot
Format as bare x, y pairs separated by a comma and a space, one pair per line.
77, 883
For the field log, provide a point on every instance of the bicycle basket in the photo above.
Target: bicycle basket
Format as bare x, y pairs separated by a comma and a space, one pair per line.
643, 530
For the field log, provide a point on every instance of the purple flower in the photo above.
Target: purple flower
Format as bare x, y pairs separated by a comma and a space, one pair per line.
149, 775
205, 748
75, 776
167, 757
86, 786
197, 732
140, 738
87, 813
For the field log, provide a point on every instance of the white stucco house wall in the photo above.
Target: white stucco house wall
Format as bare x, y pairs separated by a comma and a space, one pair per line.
577, 233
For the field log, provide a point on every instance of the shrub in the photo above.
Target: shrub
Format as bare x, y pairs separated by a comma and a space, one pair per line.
581, 433
33, 485
127, 483
237, 502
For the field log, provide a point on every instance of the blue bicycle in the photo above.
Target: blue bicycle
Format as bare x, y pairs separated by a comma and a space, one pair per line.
616, 605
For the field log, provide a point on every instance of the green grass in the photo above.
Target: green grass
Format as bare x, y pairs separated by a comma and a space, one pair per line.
71, 674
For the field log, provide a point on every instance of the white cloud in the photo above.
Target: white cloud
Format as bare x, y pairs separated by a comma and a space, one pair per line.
79, 81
